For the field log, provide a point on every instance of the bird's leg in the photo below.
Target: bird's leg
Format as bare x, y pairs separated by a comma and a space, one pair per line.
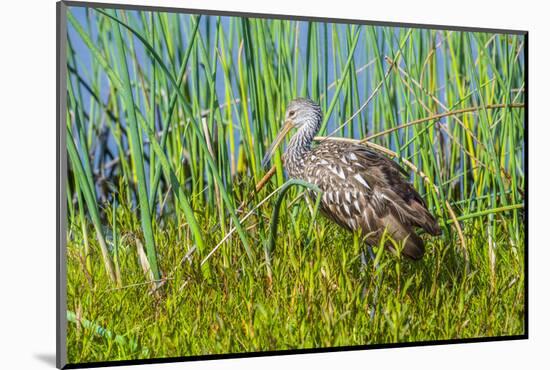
363, 260
371, 254
378, 280
364, 264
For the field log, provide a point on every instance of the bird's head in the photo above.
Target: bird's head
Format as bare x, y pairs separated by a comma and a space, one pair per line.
300, 113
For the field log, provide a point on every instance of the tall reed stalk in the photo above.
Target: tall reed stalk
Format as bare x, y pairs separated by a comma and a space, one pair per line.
171, 114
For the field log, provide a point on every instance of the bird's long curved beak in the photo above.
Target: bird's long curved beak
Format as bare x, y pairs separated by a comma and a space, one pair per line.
280, 136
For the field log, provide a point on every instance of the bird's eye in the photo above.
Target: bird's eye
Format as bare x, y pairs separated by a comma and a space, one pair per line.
292, 113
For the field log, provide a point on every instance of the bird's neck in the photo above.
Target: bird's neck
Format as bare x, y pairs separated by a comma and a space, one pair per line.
300, 143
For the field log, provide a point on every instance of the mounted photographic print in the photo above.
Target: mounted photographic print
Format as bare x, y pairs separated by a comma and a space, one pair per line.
235, 184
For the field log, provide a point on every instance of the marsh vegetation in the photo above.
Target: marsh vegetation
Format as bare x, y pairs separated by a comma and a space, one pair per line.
169, 220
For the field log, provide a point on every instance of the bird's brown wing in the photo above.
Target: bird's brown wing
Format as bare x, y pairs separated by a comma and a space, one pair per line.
358, 180
392, 191
363, 190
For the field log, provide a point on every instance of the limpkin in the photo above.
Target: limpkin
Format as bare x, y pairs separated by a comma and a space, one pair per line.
362, 190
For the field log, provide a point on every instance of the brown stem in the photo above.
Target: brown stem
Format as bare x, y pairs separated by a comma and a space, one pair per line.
438, 116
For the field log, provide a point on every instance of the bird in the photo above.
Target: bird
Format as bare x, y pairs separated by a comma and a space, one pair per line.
361, 189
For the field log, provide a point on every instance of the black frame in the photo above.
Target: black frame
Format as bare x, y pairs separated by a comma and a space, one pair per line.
61, 170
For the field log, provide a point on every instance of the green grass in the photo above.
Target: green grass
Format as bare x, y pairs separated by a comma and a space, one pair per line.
169, 246
318, 295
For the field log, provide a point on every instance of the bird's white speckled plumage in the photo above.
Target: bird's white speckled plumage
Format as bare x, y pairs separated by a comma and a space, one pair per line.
362, 189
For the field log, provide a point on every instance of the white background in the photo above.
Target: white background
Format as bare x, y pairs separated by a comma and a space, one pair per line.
27, 182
